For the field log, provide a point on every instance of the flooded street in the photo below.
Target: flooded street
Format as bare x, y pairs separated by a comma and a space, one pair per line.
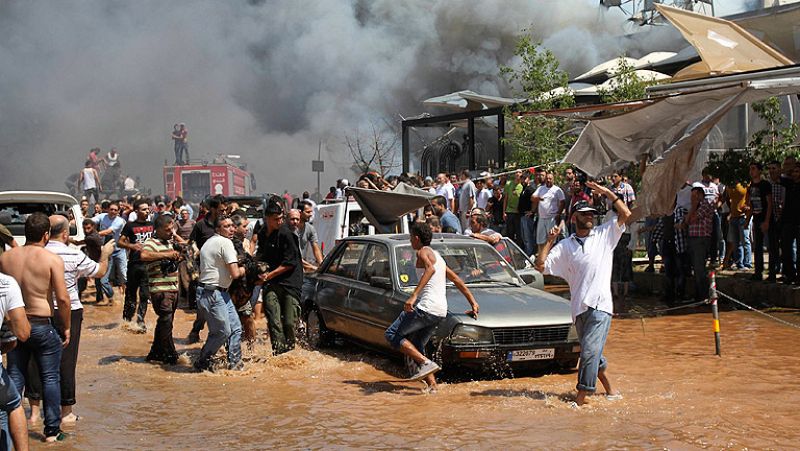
677, 395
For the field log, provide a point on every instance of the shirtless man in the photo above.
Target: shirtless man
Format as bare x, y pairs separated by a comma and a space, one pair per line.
40, 272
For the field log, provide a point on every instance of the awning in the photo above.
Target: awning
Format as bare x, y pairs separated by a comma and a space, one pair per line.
383, 209
724, 47
670, 132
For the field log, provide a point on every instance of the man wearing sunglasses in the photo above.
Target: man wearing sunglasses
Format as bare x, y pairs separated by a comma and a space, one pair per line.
582, 260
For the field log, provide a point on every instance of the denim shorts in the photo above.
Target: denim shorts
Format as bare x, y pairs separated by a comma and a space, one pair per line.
417, 326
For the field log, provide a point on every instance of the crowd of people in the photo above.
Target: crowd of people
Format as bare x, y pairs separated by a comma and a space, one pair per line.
233, 270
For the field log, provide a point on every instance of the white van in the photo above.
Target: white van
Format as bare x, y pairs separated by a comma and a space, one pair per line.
328, 220
16, 206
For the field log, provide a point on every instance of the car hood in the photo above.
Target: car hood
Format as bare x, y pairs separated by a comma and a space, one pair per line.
510, 307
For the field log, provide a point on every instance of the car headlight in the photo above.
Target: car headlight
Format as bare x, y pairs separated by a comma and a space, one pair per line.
465, 334
573, 333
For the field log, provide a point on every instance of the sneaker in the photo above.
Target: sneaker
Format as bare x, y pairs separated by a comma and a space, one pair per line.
238, 366
193, 337
60, 436
203, 366
140, 328
429, 367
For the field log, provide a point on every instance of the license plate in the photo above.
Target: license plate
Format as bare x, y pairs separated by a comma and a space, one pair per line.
531, 354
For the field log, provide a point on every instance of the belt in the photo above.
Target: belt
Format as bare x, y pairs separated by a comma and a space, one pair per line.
206, 286
40, 320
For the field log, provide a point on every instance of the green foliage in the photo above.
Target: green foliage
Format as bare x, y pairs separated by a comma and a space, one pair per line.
731, 166
625, 85
537, 139
773, 142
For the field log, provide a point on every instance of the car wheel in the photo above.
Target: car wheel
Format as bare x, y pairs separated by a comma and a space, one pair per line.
317, 335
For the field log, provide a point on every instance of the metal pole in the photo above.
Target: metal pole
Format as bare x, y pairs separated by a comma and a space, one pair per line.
501, 145
712, 298
471, 135
319, 157
406, 148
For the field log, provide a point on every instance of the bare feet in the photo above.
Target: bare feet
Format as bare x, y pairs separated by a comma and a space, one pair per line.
36, 413
581, 398
603, 377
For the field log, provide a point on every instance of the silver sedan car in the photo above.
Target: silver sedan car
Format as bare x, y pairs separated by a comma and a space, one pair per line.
363, 283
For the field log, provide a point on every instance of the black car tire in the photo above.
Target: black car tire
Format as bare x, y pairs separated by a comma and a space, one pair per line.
317, 335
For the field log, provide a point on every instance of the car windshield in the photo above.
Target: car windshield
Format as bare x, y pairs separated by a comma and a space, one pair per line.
473, 262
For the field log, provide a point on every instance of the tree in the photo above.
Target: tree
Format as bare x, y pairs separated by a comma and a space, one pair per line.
375, 151
537, 139
731, 166
625, 84
775, 140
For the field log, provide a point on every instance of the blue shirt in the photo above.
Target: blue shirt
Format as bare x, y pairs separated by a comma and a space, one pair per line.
104, 222
449, 220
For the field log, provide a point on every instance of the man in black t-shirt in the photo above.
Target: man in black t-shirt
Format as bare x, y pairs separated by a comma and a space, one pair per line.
527, 218
278, 246
758, 205
132, 238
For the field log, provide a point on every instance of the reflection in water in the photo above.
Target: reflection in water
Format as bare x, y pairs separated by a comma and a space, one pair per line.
677, 395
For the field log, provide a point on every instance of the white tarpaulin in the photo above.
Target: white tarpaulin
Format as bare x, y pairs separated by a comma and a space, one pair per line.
670, 132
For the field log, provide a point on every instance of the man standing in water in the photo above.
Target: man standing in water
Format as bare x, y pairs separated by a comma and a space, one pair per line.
76, 265
162, 275
218, 267
39, 273
581, 260
427, 305
279, 247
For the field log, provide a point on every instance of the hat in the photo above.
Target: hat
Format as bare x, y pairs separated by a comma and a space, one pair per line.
429, 179
582, 206
345, 182
698, 185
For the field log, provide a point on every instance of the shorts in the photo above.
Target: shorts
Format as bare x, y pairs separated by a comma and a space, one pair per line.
417, 327
543, 227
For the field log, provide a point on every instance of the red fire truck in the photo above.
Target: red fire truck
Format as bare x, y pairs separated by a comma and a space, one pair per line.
195, 181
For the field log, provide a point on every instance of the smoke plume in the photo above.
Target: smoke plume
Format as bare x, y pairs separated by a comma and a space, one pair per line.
265, 80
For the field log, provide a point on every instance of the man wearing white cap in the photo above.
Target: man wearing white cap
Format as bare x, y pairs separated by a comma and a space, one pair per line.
582, 260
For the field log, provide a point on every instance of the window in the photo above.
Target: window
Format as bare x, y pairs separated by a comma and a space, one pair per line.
346, 263
376, 263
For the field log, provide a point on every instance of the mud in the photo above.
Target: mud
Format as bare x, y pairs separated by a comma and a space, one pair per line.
677, 395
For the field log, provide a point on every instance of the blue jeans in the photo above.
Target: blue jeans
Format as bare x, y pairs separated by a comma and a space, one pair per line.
592, 326
10, 400
45, 346
224, 326
528, 225
747, 251
117, 264
417, 327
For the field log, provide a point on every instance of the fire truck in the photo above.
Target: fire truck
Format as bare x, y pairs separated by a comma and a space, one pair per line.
197, 180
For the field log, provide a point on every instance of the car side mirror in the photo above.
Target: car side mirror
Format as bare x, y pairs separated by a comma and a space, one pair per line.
528, 278
381, 282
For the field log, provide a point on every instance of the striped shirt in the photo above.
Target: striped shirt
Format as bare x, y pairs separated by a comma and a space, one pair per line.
160, 282
76, 265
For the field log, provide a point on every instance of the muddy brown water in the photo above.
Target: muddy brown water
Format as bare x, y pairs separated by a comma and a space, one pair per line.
677, 395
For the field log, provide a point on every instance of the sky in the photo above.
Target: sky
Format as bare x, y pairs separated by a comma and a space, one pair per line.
267, 80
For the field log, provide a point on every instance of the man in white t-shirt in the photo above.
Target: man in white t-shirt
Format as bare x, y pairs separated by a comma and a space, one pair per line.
76, 265
583, 261
484, 194
445, 189
218, 267
427, 305
466, 199
549, 202
11, 305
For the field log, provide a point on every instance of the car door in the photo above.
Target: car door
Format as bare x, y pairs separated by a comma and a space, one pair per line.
334, 284
370, 298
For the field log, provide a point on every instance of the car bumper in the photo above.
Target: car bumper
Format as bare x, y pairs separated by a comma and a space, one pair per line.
489, 356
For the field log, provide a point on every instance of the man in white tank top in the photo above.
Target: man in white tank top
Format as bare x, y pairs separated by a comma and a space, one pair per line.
89, 182
427, 305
